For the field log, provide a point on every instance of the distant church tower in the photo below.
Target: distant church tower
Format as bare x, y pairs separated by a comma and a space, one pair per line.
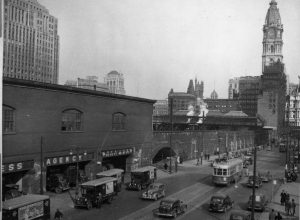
272, 39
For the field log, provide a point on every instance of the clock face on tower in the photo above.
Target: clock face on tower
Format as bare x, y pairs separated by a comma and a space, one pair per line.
271, 33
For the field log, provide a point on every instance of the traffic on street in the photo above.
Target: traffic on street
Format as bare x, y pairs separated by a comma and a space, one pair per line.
192, 184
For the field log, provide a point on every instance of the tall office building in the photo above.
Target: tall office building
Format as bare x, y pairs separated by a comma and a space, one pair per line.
233, 88
31, 42
115, 82
249, 90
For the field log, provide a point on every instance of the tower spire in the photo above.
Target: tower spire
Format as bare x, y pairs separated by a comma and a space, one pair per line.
272, 36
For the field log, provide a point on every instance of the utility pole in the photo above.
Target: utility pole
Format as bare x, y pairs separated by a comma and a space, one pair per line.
253, 186
171, 122
42, 167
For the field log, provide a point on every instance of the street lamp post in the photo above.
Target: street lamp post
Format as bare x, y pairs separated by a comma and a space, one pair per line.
253, 186
42, 167
171, 121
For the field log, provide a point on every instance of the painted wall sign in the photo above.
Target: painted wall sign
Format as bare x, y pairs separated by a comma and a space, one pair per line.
52, 161
32, 211
117, 152
17, 166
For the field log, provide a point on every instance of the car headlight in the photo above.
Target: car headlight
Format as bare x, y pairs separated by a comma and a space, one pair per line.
224, 178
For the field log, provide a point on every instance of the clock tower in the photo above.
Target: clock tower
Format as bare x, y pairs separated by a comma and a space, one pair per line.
272, 39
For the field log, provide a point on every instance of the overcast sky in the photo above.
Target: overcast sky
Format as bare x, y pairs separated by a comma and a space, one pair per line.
162, 44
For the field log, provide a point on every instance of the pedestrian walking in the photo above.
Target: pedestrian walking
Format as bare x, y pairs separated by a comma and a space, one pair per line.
287, 197
58, 214
282, 197
278, 216
272, 215
166, 166
288, 206
293, 207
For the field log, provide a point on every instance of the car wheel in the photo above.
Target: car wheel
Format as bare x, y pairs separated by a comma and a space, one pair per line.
109, 200
58, 190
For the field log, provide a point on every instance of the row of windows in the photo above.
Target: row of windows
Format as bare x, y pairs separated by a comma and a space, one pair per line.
71, 120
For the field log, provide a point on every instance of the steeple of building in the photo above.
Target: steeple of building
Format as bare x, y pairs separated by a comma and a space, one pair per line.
272, 38
191, 89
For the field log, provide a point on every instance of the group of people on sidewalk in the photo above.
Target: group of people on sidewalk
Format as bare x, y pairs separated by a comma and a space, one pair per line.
290, 206
274, 216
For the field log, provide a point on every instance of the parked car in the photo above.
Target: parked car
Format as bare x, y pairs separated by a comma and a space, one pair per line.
154, 191
258, 181
265, 177
248, 159
141, 178
11, 191
260, 202
95, 192
57, 183
170, 207
220, 203
291, 176
240, 215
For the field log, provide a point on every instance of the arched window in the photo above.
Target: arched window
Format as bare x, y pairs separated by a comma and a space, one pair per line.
118, 121
272, 49
8, 119
71, 120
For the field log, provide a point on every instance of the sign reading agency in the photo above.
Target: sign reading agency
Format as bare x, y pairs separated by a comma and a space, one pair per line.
51, 161
117, 152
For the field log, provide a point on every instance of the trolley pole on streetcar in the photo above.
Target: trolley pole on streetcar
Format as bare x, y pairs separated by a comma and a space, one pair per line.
253, 186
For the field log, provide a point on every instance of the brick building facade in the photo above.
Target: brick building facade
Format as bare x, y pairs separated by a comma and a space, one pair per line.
53, 121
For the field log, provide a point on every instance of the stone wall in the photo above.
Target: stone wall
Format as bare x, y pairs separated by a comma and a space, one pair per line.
189, 145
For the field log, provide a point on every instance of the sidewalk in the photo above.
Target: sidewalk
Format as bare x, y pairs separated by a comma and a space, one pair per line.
294, 190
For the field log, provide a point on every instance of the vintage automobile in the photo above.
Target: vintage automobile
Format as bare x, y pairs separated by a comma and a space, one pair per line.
96, 192
291, 176
220, 203
258, 181
260, 202
170, 207
141, 178
240, 215
117, 173
265, 177
248, 160
28, 206
154, 191
11, 191
57, 183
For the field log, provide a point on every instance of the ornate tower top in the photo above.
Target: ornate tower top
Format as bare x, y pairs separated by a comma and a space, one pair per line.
273, 16
272, 40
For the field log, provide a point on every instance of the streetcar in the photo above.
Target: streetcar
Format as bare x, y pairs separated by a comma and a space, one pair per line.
227, 172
